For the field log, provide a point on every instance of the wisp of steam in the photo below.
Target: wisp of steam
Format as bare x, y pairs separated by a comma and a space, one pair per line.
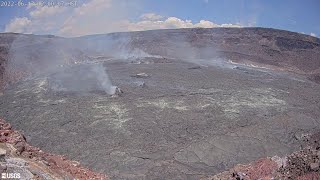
70, 63
81, 78
63, 61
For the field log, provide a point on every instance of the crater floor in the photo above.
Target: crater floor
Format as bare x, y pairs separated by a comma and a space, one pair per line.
177, 121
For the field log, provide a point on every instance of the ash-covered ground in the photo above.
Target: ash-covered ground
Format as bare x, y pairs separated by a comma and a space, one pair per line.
174, 120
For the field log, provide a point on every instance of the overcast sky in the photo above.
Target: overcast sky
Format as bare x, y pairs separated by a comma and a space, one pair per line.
85, 17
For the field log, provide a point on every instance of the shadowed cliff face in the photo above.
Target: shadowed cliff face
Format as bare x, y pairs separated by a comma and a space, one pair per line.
195, 102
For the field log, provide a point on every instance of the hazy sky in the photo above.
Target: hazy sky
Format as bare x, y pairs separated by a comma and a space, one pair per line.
102, 16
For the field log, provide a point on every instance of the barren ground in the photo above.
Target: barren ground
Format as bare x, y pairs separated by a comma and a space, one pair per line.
182, 124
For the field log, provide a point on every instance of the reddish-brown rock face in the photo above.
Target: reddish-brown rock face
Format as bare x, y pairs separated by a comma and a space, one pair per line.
36, 164
301, 165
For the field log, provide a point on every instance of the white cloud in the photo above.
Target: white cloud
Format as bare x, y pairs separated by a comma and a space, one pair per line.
19, 25
46, 11
150, 16
313, 34
42, 19
206, 24
171, 23
96, 16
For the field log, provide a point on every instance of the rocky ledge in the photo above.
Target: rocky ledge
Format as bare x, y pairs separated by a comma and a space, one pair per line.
300, 165
17, 157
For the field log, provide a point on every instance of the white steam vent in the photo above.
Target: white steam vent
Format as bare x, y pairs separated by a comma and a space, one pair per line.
82, 78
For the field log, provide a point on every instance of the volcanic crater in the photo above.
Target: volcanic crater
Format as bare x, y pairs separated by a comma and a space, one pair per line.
193, 102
